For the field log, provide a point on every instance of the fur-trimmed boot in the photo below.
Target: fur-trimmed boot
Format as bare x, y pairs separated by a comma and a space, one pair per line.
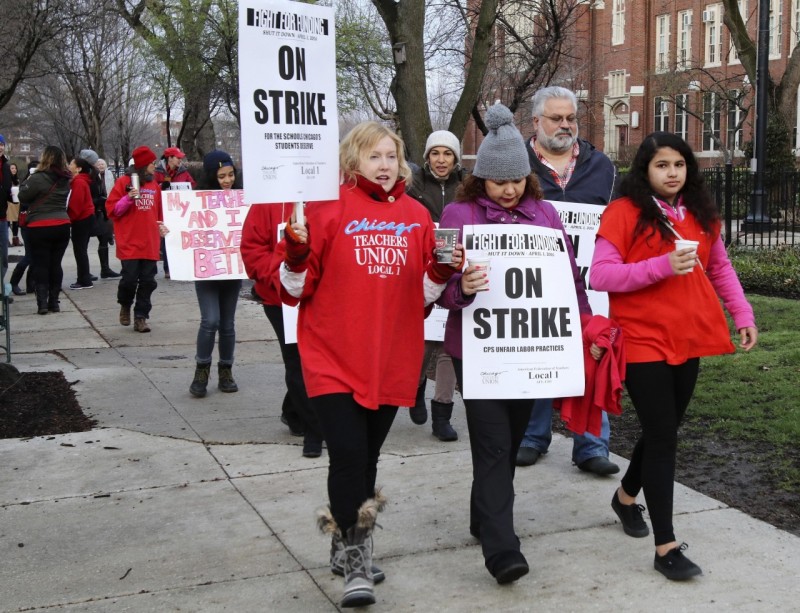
351, 555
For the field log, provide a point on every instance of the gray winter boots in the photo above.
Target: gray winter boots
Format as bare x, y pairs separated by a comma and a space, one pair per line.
351, 553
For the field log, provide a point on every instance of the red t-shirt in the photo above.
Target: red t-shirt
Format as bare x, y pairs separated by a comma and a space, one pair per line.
360, 328
259, 239
136, 230
674, 319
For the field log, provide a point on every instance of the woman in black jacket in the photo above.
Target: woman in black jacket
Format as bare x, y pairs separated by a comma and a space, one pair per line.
44, 196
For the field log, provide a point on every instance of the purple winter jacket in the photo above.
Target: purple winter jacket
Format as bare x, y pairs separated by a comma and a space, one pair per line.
485, 211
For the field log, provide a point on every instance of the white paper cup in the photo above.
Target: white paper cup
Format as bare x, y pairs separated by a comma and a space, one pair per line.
482, 263
682, 243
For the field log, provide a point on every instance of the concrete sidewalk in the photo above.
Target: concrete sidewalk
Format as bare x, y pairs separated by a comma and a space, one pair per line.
180, 504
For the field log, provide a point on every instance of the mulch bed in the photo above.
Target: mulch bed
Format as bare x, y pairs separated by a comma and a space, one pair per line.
40, 404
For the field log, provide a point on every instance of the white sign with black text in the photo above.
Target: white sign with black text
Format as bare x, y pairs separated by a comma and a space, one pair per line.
522, 337
287, 99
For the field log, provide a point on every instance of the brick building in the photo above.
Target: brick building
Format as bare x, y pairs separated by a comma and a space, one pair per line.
666, 65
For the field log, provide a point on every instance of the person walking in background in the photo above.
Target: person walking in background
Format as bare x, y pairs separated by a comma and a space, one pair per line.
258, 249
171, 169
569, 169
24, 264
360, 329
434, 185
217, 299
101, 186
5, 198
13, 207
81, 213
500, 190
666, 299
43, 196
138, 226
104, 228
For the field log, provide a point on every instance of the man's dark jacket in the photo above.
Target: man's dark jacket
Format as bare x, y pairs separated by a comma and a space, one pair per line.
592, 182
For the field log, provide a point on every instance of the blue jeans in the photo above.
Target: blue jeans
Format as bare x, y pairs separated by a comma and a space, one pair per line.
217, 300
539, 434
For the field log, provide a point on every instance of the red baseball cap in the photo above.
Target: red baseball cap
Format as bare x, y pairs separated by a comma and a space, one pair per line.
174, 151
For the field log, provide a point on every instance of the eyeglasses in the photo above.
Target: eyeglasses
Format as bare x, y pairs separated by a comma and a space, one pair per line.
559, 119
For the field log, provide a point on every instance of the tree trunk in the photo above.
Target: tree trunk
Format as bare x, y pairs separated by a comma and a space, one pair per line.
405, 22
197, 134
476, 68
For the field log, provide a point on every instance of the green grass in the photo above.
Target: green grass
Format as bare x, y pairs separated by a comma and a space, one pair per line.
755, 396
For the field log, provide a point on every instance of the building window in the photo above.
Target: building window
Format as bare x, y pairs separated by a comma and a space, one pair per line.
682, 115
662, 43
712, 19
685, 40
775, 28
735, 117
661, 115
711, 117
25, 148
618, 22
616, 83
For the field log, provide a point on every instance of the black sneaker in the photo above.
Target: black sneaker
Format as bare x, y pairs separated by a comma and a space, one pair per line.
675, 566
630, 516
81, 285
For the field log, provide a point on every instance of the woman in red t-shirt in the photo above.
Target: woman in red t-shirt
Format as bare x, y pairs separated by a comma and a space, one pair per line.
80, 208
363, 271
665, 299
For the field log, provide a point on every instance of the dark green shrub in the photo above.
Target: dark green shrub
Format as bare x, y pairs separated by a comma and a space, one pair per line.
771, 272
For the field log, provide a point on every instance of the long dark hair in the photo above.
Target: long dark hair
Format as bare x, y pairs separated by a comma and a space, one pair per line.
473, 187
636, 186
210, 181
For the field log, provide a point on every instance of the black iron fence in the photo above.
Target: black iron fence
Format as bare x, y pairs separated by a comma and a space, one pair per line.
778, 221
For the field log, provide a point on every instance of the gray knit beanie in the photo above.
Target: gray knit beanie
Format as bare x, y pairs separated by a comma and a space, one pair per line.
89, 155
502, 155
443, 138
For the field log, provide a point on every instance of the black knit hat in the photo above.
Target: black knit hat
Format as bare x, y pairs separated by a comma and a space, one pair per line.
214, 160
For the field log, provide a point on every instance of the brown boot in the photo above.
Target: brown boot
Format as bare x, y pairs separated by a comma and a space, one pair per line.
125, 315
140, 324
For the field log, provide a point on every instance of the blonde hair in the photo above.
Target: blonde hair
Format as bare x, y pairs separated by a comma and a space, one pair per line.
362, 139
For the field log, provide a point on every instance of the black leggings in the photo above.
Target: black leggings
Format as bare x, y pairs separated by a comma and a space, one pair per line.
354, 436
660, 394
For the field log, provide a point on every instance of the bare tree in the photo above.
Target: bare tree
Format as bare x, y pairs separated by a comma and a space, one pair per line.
24, 28
195, 40
782, 94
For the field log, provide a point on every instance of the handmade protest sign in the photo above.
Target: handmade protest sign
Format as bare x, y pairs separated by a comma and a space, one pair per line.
205, 232
581, 222
522, 337
287, 98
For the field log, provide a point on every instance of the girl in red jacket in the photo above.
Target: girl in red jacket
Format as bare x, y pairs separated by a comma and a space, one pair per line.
666, 300
80, 208
138, 226
363, 271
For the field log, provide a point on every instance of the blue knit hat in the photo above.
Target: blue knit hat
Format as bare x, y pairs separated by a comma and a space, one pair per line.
214, 160
2, 139
502, 155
